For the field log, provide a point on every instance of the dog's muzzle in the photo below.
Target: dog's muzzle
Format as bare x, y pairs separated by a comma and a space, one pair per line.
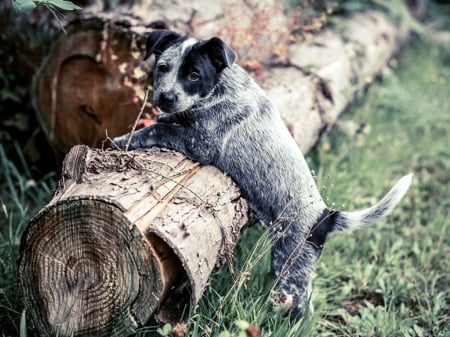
167, 100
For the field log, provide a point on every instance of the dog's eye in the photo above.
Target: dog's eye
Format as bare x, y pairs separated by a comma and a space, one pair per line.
163, 68
194, 76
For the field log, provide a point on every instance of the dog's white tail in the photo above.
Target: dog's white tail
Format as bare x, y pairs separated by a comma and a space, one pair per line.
365, 217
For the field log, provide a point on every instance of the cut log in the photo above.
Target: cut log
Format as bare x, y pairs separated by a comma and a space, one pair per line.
127, 235
82, 88
325, 75
91, 82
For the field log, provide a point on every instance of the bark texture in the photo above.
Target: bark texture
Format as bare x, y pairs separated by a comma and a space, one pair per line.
94, 78
127, 235
324, 76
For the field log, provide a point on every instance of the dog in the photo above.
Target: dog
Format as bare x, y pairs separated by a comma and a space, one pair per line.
214, 113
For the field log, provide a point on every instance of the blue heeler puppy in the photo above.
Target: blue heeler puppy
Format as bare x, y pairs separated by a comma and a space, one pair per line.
215, 114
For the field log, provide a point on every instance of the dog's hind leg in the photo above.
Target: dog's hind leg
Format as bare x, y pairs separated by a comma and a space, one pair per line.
293, 264
295, 254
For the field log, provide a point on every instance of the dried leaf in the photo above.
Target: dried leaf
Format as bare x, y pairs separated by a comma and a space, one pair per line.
253, 331
179, 330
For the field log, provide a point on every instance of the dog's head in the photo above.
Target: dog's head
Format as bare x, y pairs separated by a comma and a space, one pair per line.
186, 69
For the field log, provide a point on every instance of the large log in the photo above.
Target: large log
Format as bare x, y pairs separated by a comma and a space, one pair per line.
83, 88
325, 75
126, 236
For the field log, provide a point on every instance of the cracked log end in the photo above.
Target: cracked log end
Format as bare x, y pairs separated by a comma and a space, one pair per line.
82, 264
127, 236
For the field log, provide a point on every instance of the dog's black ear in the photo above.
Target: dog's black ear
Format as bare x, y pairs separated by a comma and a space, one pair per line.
219, 53
160, 40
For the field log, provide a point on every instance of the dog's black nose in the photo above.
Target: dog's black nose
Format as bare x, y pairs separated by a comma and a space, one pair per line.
167, 99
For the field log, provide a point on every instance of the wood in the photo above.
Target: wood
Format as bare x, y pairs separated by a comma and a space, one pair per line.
128, 235
83, 87
325, 75
91, 83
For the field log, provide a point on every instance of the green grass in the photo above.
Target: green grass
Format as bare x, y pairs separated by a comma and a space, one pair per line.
20, 197
388, 280
396, 275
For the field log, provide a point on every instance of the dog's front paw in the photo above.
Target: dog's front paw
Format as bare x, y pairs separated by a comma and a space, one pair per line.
165, 118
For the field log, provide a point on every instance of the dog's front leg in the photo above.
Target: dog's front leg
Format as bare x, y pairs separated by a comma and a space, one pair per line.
194, 144
164, 135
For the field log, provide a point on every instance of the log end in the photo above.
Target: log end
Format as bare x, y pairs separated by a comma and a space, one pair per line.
84, 270
92, 81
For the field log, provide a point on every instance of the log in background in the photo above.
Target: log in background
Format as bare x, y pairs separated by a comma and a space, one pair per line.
93, 79
127, 235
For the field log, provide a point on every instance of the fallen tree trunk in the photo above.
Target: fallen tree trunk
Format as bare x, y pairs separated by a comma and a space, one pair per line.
325, 75
94, 78
126, 236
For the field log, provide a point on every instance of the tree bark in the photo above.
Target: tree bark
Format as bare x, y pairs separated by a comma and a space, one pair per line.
325, 75
126, 236
94, 78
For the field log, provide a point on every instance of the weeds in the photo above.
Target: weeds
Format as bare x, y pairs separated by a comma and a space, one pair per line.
20, 198
402, 260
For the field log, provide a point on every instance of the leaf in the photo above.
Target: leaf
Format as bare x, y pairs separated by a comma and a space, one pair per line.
241, 324
418, 330
6, 94
24, 5
138, 73
179, 330
23, 325
166, 330
63, 4
253, 331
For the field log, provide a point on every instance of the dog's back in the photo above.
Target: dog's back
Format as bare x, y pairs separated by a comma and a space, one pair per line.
260, 154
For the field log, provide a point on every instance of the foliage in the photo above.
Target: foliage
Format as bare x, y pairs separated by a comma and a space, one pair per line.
20, 197
310, 16
54, 6
165, 330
